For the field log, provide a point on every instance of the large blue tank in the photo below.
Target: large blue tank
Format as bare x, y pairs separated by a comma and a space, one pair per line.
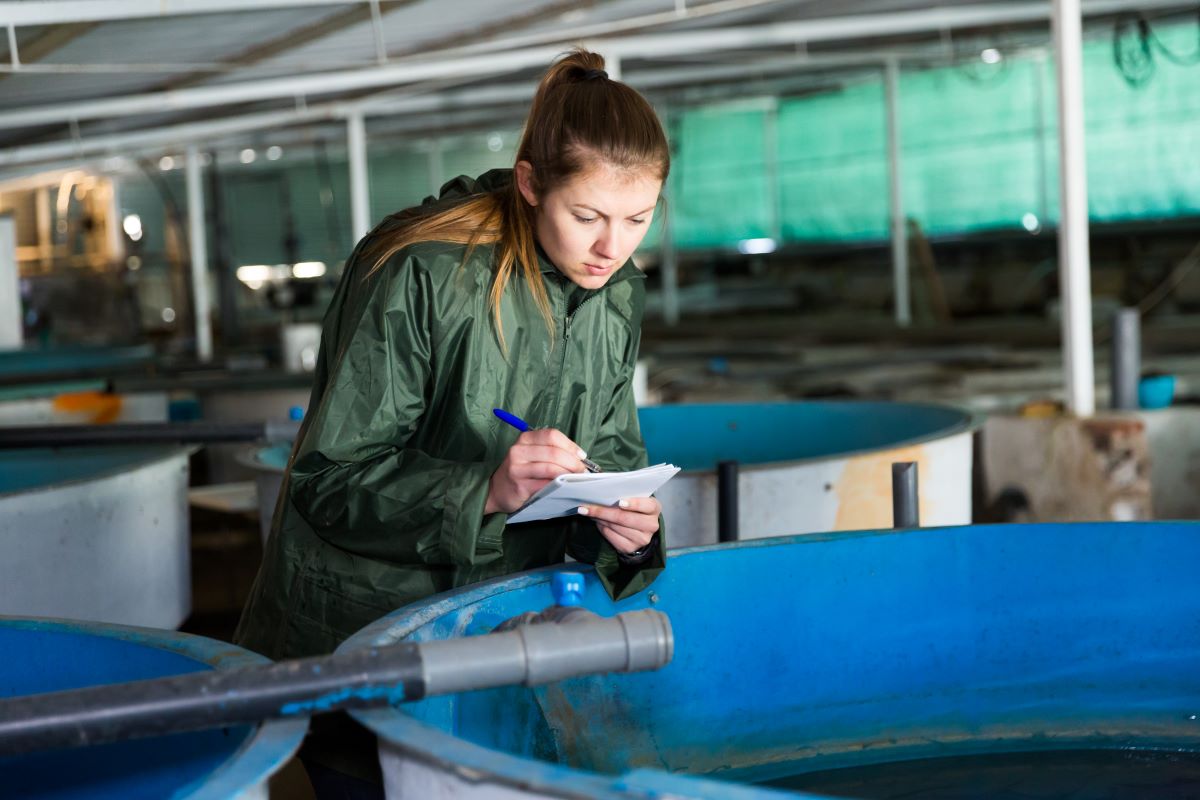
54, 655
799, 655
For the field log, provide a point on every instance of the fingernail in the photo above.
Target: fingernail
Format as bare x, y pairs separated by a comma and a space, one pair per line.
582, 453
583, 510
624, 504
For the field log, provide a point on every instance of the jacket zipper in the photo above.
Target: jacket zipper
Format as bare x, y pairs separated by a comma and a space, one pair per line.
562, 369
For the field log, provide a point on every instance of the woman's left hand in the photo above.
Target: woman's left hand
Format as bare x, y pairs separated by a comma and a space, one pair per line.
629, 526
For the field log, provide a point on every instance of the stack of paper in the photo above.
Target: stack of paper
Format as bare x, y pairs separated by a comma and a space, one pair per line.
563, 496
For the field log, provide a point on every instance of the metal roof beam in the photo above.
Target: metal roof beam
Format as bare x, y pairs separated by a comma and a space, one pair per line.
659, 45
57, 12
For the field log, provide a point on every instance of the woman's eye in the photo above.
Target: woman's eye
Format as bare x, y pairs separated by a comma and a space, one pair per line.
638, 221
585, 220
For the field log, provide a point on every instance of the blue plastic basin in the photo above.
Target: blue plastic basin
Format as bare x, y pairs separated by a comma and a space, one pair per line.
49, 655
816, 652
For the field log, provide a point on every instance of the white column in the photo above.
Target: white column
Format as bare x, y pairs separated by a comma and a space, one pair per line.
899, 229
10, 285
669, 263
198, 244
612, 65
360, 198
1074, 261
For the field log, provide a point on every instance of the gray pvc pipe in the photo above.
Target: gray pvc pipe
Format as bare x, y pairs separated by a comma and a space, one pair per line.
536, 654
906, 509
1126, 358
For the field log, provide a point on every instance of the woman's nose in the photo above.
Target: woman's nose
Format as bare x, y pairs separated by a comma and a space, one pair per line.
607, 245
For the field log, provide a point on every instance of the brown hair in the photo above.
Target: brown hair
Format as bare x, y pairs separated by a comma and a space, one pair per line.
579, 119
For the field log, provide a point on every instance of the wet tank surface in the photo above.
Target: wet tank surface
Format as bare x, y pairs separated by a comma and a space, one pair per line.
53, 655
799, 657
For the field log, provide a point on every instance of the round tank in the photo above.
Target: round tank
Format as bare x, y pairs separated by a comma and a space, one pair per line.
55, 655
32, 362
805, 467
798, 656
69, 386
252, 398
96, 533
268, 465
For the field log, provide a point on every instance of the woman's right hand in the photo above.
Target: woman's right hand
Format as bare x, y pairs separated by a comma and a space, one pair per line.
535, 459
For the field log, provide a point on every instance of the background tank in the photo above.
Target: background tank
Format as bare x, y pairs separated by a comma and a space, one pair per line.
96, 533
52, 655
808, 466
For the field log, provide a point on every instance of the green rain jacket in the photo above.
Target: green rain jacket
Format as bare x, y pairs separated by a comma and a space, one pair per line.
382, 503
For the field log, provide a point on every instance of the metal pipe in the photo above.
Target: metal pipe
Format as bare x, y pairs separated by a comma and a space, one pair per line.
61, 12
1074, 262
899, 229
669, 256
906, 504
1126, 358
360, 197
198, 244
35, 436
11, 328
528, 655
727, 501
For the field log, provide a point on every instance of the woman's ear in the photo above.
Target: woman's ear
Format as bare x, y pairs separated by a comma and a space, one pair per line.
524, 176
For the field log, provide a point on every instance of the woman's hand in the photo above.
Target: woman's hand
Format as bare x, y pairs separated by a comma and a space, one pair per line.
628, 527
535, 459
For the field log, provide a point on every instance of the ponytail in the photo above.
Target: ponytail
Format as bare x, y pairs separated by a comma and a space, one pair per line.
579, 119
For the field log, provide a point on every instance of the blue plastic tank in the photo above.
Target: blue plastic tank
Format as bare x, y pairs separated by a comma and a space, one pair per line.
54, 655
807, 655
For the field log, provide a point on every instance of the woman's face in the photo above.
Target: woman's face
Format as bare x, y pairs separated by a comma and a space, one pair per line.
590, 225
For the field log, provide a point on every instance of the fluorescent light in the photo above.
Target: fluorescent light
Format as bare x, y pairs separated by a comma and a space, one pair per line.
1031, 222
166, 163
254, 275
132, 225
274, 152
991, 56
247, 156
308, 269
754, 247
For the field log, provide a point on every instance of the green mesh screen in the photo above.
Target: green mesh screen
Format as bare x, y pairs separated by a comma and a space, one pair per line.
979, 151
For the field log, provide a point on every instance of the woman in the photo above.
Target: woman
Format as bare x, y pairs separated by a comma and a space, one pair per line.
511, 291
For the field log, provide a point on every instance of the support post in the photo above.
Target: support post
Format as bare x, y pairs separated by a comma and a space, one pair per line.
1126, 358
899, 229
360, 198
198, 245
727, 501
10, 286
906, 504
1074, 262
669, 257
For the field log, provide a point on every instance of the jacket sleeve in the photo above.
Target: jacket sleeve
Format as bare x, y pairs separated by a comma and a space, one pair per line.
354, 478
619, 443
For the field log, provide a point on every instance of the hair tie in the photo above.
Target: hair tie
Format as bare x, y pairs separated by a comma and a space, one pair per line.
593, 74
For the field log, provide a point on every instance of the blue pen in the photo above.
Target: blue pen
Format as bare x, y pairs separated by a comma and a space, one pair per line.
522, 426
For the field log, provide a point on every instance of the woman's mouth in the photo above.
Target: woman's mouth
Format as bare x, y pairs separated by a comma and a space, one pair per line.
596, 269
